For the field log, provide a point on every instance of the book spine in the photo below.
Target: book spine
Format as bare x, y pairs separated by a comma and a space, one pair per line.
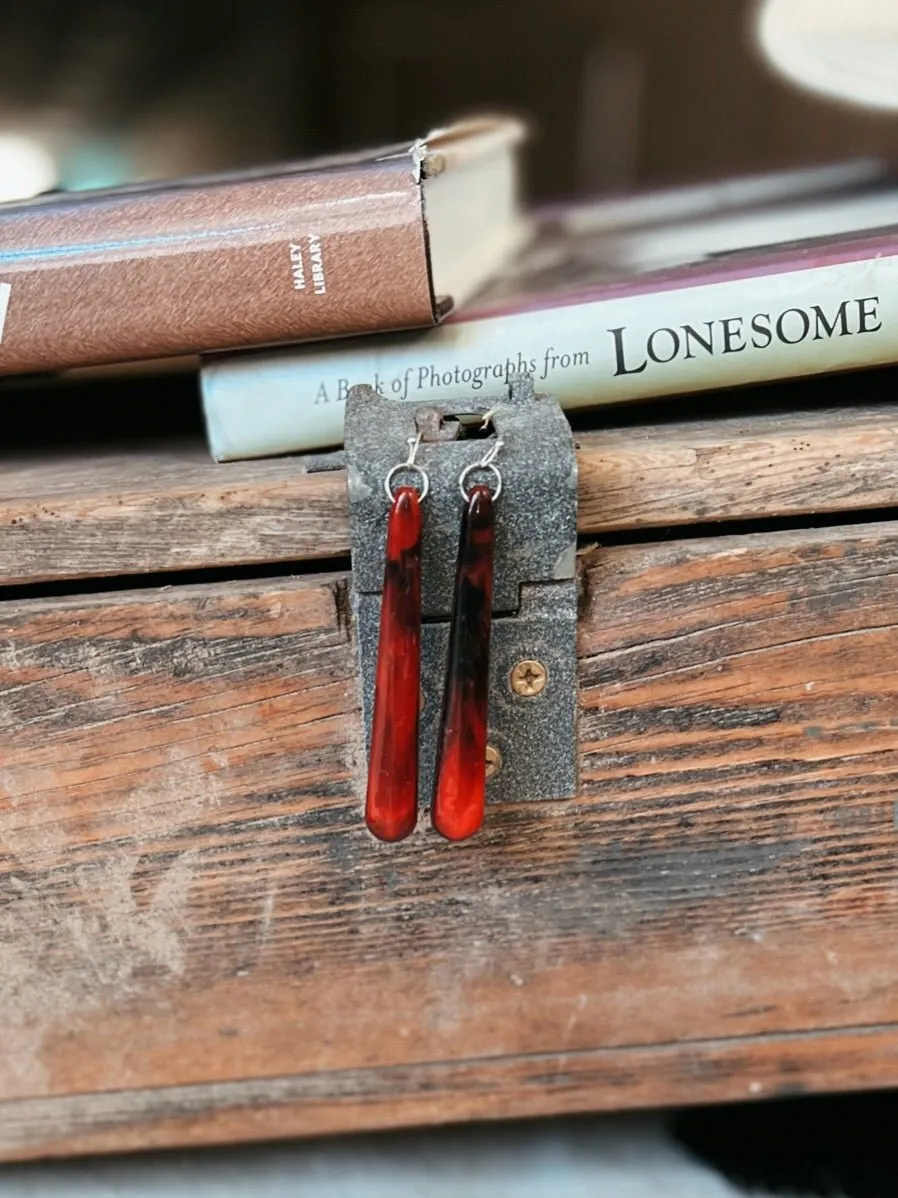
184, 270
613, 349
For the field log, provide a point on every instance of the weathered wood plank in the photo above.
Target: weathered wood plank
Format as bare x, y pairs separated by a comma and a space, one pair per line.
151, 509
157, 509
612, 1079
188, 896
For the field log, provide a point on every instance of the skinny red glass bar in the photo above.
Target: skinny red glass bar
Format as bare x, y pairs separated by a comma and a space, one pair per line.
391, 803
460, 792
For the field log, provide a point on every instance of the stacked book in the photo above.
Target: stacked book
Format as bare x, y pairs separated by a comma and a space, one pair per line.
416, 269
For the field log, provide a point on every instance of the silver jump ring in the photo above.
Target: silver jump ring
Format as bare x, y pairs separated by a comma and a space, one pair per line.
480, 466
424, 476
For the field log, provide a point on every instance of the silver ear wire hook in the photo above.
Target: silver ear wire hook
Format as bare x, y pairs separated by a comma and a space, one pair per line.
490, 456
487, 462
414, 444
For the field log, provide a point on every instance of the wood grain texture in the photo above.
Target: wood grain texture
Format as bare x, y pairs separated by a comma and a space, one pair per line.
200, 941
150, 509
534, 1084
159, 509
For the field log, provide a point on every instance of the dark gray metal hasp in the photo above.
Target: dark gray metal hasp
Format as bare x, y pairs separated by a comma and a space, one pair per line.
533, 735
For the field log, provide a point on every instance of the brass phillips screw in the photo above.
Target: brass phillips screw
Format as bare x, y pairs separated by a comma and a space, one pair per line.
493, 761
529, 678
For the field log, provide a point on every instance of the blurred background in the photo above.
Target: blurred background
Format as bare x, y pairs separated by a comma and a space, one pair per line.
622, 93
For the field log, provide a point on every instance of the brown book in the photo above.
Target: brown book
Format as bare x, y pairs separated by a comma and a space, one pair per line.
357, 244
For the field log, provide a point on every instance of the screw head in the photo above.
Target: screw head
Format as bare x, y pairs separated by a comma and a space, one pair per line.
493, 761
529, 678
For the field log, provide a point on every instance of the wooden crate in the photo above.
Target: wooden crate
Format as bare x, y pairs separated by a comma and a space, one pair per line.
200, 942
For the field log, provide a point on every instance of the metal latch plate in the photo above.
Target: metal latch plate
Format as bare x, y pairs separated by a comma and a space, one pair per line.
535, 595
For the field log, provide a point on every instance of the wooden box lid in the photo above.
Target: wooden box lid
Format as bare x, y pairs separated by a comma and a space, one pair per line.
155, 509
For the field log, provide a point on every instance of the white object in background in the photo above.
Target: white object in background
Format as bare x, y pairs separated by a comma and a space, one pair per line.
26, 167
5, 289
595, 1158
844, 49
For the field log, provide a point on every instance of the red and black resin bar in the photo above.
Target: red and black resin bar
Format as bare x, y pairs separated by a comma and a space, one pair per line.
391, 803
460, 792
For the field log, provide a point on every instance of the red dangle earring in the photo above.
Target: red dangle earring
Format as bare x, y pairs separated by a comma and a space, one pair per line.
460, 793
391, 802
